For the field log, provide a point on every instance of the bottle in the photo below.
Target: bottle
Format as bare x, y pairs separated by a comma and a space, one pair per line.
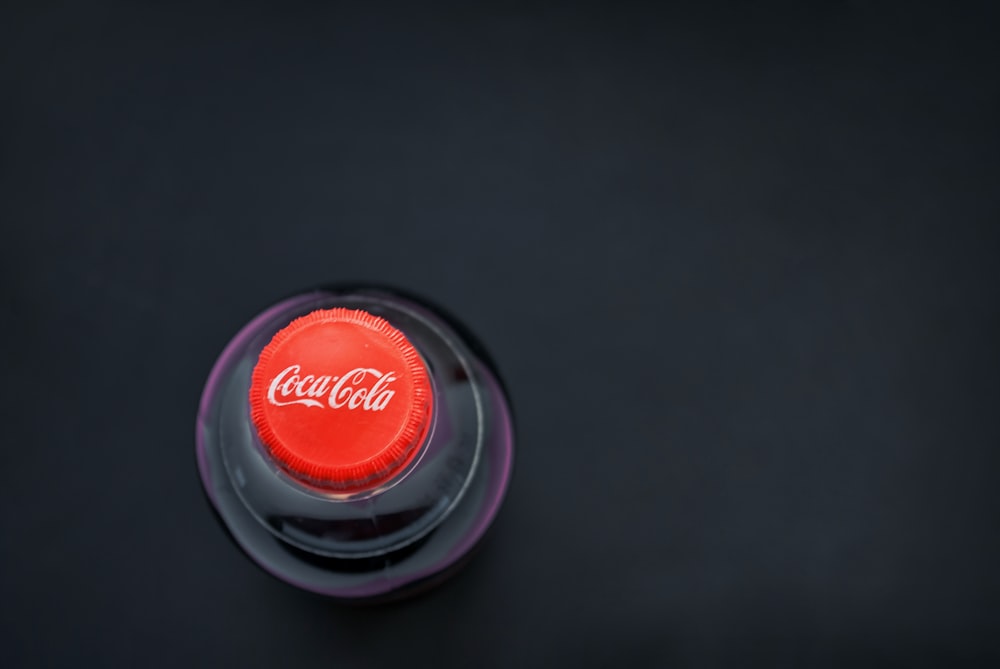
355, 442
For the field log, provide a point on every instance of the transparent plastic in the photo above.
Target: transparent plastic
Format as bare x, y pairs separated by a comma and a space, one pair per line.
407, 533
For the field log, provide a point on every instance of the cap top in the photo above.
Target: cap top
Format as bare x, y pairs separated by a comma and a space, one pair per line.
341, 399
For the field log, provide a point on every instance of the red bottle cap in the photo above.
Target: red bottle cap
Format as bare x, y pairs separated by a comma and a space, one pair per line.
341, 399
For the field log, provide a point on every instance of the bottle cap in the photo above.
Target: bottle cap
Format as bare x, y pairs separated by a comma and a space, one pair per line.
341, 400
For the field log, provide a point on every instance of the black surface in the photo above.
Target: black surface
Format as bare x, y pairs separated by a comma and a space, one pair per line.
739, 269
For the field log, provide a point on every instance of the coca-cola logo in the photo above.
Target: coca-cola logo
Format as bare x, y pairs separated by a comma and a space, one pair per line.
361, 388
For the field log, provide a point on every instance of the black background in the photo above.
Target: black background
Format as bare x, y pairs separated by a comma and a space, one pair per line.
738, 267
